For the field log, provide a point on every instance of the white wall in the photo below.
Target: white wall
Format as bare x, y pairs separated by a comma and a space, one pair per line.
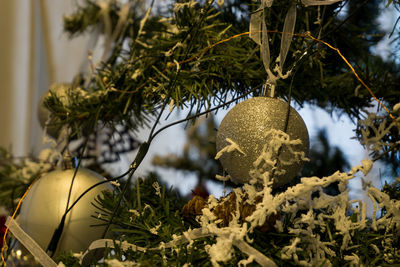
34, 52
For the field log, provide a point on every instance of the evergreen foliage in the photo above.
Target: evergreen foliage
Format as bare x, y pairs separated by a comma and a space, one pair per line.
143, 212
198, 153
196, 55
168, 59
324, 159
16, 174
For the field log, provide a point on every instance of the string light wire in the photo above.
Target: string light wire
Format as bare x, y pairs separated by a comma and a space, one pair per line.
12, 218
170, 65
308, 34
304, 35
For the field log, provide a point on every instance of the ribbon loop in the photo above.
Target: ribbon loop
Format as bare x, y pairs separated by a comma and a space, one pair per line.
287, 35
265, 53
255, 26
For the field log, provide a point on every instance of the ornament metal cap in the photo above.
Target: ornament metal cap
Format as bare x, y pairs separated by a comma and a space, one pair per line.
68, 161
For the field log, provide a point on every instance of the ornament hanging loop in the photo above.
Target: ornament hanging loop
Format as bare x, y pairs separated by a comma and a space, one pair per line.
68, 160
268, 89
270, 85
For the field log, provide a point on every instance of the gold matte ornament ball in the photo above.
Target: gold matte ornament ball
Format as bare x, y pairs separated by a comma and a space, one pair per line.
45, 203
246, 124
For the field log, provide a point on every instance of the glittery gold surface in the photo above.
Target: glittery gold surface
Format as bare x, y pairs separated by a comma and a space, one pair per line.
246, 124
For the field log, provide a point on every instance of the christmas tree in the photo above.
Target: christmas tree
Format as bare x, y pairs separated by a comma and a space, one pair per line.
262, 57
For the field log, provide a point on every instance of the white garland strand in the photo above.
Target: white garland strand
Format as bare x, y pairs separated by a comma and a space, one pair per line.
294, 199
29, 243
300, 197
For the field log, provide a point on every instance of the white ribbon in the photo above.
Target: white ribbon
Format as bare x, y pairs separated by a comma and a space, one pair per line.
255, 26
252, 252
287, 35
182, 239
258, 33
265, 53
30, 244
109, 243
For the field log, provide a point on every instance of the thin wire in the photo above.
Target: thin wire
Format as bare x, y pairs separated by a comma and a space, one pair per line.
75, 172
395, 146
173, 64
132, 169
52, 246
158, 118
308, 34
139, 157
134, 166
202, 113
12, 218
143, 149
97, 184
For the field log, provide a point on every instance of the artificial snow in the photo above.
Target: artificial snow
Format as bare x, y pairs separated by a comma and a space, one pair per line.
117, 263
154, 230
396, 107
313, 213
157, 187
230, 148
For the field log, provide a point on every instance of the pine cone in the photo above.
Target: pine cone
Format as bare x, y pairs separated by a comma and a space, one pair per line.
226, 208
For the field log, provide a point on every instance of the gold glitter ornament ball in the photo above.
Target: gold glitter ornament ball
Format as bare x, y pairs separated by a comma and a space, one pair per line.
246, 125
